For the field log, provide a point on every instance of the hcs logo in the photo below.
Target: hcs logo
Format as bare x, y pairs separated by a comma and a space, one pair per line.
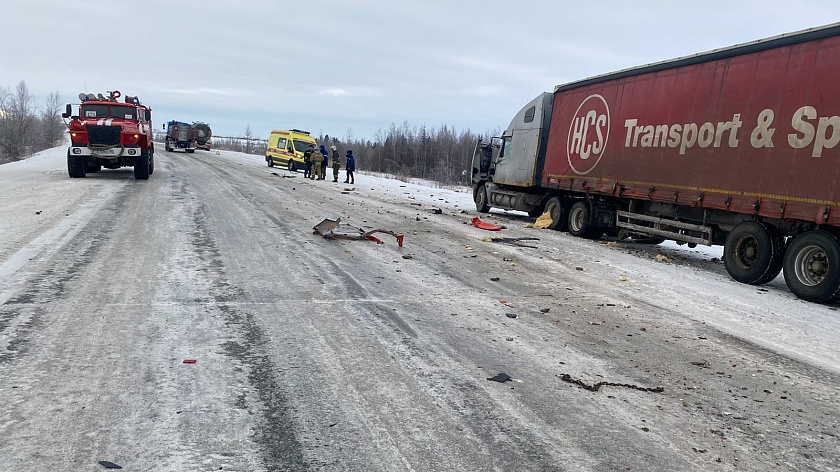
588, 134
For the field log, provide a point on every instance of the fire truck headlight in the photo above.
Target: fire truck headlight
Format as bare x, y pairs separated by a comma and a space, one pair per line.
131, 152
77, 151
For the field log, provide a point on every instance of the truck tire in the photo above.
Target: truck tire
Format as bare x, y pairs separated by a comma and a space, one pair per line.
558, 212
75, 166
167, 146
480, 198
142, 164
92, 168
812, 266
269, 161
190, 151
753, 253
152, 159
536, 212
579, 217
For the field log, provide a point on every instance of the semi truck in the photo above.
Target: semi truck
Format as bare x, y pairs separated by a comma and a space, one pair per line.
735, 147
180, 135
203, 133
110, 134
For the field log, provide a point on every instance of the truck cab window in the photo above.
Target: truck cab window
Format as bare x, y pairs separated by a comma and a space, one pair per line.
529, 114
505, 146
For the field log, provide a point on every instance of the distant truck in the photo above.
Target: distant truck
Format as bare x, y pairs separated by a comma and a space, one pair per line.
180, 135
735, 147
203, 133
110, 134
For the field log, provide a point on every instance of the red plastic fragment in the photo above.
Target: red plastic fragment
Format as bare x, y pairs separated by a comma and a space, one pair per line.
189, 361
483, 225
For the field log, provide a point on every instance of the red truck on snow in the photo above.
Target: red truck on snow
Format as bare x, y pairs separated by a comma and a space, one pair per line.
735, 147
110, 134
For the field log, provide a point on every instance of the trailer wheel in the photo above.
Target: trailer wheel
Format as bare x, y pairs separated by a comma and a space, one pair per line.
558, 212
269, 161
579, 217
480, 198
753, 253
142, 165
812, 267
75, 166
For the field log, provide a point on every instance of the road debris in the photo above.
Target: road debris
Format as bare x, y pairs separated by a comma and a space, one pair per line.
597, 386
437, 211
511, 315
662, 258
109, 465
545, 310
407, 256
543, 222
327, 229
484, 225
622, 278
494, 279
189, 361
511, 241
501, 377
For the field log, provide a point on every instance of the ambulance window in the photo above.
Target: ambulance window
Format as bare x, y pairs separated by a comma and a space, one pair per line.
301, 146
281, 143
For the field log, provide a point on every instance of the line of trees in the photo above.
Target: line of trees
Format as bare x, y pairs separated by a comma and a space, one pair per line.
26, 128
441, 154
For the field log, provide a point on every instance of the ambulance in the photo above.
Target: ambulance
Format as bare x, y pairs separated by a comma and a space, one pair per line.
286, 147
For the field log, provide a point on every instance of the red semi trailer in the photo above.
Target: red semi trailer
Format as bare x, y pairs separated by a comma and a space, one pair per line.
735, 147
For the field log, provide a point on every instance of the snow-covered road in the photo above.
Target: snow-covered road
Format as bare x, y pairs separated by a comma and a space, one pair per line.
315, 354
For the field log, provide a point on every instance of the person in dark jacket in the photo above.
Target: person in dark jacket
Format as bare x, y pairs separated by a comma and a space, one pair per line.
307, 161
351, 167
324, 162
336, 162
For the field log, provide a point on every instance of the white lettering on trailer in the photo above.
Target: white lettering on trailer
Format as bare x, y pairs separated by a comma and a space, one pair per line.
684, 136
588, 134
762, 135
806, 134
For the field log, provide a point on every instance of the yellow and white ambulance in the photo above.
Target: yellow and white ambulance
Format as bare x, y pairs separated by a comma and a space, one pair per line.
286, 146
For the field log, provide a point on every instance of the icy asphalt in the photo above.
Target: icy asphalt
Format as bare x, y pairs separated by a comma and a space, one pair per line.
315, 354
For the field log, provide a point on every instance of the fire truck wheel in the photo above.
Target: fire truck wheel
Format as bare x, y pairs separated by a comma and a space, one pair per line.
558, 213
753, 253
75, 166
481, 200
142, 165
151, 164
93, 168
579, 222
812, 267
190, 151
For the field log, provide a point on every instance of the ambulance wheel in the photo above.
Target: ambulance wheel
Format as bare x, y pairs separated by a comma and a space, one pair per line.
269, 161
291, 166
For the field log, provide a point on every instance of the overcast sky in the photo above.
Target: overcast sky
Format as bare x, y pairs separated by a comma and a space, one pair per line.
356, 66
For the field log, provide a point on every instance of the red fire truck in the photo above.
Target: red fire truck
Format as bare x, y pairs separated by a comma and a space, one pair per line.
111, 134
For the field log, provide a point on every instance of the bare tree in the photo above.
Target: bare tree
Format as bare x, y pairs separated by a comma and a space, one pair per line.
52, 127
249, 135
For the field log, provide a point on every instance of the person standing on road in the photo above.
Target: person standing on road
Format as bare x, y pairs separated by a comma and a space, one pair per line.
315, 158
336, 163
324, 162
351, 167
307, 161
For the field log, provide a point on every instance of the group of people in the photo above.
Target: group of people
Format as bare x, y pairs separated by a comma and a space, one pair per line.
316, 164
